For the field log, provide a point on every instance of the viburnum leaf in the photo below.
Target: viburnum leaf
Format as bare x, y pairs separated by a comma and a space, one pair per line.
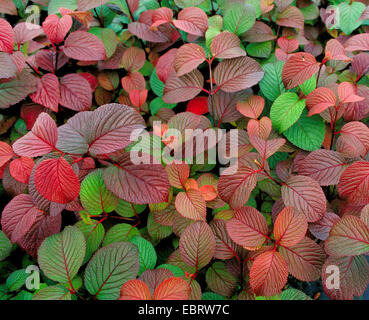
226, 45
248, 228
106, 130
188, 57
349, 15
353, 140
8, 68
41, 140
21, 169
48, 92
110, 268
6, 153
321, 228
358, 42
334, 50
348, 237
319, 100
57, 292
18, 89
57, 28
8, 7
260, 128
84, 46
56, 180
5, 246
26, 31
148, 183
75, 92
268, 273
165, 65
191, 204
198, 105
120, 232
161, 16
290, 227
347, 93
286, 110
252, 107
299, 67
178, 173
144, 32
61, 255
220, 280
192, 20
6, 36
239, 18
266, 148
237, 74
294, 294
291, 17
353, 277
271, 85
354, 183
179, 89
133, 59
147, 253
197, 245
260, 32
304, 259
135, 290
173, 289
133, 81
306, 196
85, 5
95, 197
324, 166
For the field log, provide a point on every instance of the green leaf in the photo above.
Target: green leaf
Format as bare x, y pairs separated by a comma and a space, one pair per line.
120, 232
294, 294
271, 85
94, 235
57, 292
17, 280
110, 268
307, 133
348, 16
158, 103
55, 5
108, 37
239, 18
259, 49
210, 34
286, 110
177, 271
157, 86
308, 86
156, 230
212, 296
5, 246
95, 197
147, 253
128, 210
61, 255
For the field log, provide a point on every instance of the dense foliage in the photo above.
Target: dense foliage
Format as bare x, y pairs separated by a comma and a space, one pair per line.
288, 212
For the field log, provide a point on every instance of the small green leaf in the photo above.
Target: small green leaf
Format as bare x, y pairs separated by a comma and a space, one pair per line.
128, 210
17, 280
120, 232
349, 15
108, 37
147, 253
271, 85
239, 18
156, 85
5, 246
308, 86
259, 49
158, 103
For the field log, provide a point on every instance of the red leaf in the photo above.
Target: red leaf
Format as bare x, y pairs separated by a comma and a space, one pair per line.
290, 227
85, 5
208, 192
148, 183
252, 107
324, 166
360, 63
226, 45
266, 148
334, 50
75, 92
46, 59
84, 46
354, 183
260, 128
354, 140
6, 36
191, 204
8, 7
291, 17
153, 278
347, 93
260, 32
268, 274
178, 173
30, 112
56, 180
300, 67
248, 228
91, 80
135, 290
138, 98
321, 228
26, 31
306, 196
143, 31
41, 140
7, 67
134, 81
57, 28
197, 245
188, 57
192, 20
237, 74
358, 42
304, 260
48, 92
165, 65
21, 169
6, 153
319, 100
179, 89
133, 59
161, 16
173, 289
288, 45
348, 237
198, 105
